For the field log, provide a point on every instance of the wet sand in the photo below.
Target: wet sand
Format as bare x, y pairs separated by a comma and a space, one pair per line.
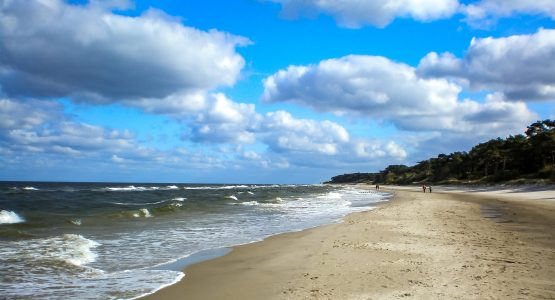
446, 245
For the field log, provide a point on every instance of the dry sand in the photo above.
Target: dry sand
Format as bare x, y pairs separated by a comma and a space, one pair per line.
447, 245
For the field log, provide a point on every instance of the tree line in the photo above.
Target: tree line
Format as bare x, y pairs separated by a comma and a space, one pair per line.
528, 156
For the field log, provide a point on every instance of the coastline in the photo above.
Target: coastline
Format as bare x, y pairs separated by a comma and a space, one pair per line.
444, 244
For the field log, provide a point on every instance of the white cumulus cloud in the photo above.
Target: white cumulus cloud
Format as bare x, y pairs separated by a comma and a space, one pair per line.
485, 12
50, 48
284, 133
215, 119
521, 66
378, 88
356, 13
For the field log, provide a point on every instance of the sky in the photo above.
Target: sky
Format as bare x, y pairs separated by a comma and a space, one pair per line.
263, 91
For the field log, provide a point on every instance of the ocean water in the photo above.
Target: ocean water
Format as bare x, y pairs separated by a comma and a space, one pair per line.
122, 241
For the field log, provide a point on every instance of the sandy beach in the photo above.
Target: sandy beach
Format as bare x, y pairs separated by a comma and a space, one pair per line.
451, 244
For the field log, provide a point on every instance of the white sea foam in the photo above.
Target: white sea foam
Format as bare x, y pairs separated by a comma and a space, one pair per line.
76, 249
232, 197
10, 217
179, 199
250, 193
263, 204
126, 188
87, 283
131, 203
330, 195
143, 212
70, 248
227, 187
76, 222
30, 188
132, 188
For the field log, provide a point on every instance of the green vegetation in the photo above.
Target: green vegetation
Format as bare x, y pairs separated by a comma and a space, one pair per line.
520, 158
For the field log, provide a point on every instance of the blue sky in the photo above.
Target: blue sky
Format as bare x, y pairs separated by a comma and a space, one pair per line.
277, 91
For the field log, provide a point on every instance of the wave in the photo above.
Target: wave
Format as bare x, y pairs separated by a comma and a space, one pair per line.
232, 197
225, 187
75, 249
70, 249
277, 202
263, 204
10, 217
76, 222
235, 187
127, 188
30, 188
180, 199
140, 204
143, 212
132, 188
148, 212
331, 195
168, 208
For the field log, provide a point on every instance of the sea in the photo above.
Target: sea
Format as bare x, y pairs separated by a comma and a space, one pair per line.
125, 240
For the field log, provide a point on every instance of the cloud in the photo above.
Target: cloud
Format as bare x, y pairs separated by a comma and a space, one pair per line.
283, 133
211, 117
41, 127
378, 88
521, 66
36, 134
215, 119
36, 137
52, 49
486, 12
355, 13
380, 13
27, 114
361, 85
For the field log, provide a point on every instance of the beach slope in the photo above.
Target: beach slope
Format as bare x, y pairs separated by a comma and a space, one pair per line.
446, 245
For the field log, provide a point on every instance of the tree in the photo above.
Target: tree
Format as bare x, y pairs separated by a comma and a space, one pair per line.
542, 139
530, 156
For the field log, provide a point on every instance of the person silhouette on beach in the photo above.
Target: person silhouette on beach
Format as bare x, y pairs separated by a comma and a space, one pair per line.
430, 188
377, 186
424, 188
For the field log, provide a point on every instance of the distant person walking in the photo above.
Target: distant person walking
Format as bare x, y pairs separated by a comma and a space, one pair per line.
430, 188
424, 188
377, 186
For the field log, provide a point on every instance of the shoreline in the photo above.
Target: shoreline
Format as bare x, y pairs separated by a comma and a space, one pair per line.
181, 264
384, 253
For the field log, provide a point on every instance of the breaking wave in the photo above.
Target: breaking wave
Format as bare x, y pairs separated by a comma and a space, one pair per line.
71, 249
9, 217
143, 212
